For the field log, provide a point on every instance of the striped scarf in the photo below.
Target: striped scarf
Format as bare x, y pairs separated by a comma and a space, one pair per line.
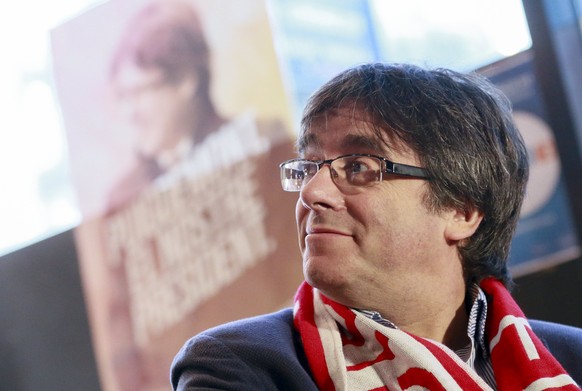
348, 351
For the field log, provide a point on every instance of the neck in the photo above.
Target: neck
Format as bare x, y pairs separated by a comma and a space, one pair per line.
430, 309
444, 322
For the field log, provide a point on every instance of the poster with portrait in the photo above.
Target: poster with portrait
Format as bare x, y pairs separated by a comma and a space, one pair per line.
545, 234
177, 118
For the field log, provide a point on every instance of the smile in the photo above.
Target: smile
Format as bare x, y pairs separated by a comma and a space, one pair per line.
326, 231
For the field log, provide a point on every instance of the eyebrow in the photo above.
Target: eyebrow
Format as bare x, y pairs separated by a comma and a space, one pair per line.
361, 142
350, 141
306, 141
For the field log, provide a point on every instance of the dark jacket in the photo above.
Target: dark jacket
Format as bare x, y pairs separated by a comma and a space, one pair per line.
265, 353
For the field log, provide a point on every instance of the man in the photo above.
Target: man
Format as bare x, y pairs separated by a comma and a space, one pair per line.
410, 184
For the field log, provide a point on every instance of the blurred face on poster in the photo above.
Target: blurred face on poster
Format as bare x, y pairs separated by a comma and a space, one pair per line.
159, 112
160, 79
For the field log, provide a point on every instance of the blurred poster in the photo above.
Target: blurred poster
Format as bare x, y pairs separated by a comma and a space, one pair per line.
177, 119
545, 233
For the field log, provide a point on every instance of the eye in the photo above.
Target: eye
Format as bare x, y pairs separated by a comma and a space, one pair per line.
309, 169
357, 165
298, 170
297, 174
361, 170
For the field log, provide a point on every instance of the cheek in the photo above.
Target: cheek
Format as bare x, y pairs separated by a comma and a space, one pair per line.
389, 224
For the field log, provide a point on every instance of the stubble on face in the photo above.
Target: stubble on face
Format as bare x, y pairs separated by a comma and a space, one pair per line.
369, 247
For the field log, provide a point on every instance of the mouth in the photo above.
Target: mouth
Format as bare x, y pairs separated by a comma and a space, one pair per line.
326, 231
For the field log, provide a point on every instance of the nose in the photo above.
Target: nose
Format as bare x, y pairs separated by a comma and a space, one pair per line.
321, 192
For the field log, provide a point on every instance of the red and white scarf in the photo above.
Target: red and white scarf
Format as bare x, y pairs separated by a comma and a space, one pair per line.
346, 350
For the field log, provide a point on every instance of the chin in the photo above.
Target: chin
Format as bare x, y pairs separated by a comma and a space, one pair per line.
326, 278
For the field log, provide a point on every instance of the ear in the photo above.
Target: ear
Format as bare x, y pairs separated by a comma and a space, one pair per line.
462, 224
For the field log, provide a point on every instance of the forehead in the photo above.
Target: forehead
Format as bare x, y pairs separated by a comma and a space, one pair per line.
345, 131
337, 126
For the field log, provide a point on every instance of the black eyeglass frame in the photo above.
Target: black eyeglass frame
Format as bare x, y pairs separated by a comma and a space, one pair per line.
391, 167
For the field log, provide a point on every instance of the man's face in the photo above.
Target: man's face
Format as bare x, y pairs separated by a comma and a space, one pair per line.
155, 109
355, 246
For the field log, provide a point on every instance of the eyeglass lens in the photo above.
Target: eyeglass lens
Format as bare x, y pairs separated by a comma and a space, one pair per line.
346, 171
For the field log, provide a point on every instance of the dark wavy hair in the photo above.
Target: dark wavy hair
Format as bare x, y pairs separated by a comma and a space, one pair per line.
462, 130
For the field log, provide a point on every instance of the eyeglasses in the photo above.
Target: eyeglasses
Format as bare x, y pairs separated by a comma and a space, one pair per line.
347, 171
